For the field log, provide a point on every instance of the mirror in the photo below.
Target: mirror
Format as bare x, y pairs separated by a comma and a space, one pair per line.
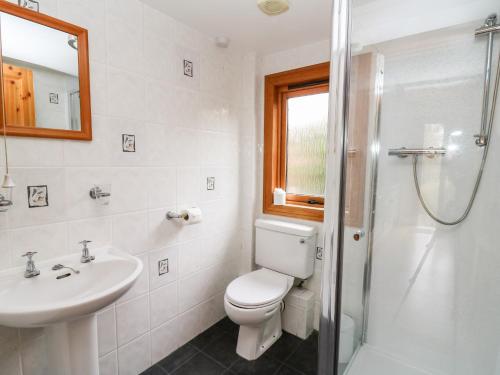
44, 85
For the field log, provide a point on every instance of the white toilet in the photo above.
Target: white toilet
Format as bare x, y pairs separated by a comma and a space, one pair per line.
254, 301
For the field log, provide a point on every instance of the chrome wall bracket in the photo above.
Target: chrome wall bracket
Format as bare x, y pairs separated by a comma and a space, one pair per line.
101, 193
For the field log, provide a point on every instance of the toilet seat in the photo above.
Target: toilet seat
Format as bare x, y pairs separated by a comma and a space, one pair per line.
258, 289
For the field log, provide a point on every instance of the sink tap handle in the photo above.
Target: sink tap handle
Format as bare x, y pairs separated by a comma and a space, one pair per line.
29, 254
86, 257
31, 270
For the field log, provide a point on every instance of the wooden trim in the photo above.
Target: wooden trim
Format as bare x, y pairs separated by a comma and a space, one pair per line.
276, 87
362, 78
83, 75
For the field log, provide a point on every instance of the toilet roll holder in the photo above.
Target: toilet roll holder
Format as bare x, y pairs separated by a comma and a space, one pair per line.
176, 215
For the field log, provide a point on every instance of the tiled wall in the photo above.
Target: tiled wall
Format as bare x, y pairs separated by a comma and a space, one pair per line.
186, 129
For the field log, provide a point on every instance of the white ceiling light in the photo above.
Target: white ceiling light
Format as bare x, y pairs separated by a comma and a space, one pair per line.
273, 7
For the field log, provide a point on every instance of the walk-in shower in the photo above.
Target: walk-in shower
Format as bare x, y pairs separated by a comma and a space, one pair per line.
423, 292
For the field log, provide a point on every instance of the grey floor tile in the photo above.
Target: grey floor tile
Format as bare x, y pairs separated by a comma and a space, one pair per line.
200, 364
177, 358
223, 349
261, 366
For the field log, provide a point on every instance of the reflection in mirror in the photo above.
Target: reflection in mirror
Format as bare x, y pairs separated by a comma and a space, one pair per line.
40, 75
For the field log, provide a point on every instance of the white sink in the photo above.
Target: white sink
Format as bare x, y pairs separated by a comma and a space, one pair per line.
44, 300
67, 306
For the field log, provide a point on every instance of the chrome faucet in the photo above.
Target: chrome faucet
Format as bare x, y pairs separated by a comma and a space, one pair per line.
86, 257
31, 270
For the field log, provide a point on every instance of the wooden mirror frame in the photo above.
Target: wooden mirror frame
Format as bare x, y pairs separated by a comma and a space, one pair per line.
85, 132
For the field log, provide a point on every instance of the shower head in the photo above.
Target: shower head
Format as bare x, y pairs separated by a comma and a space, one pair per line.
73, 42
491, 20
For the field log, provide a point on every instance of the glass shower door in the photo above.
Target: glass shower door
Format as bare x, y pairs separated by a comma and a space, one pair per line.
415, 295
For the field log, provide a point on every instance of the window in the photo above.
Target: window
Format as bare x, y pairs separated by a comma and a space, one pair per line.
295, 134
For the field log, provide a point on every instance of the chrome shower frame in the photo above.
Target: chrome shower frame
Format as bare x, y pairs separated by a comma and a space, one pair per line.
329, 332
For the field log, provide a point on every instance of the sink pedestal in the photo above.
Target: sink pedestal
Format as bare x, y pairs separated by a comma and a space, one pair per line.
72, 347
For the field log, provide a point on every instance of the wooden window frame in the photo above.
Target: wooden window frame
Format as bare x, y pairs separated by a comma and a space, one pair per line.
278, 88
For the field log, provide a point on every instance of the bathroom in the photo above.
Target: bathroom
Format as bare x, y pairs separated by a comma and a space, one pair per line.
249, 187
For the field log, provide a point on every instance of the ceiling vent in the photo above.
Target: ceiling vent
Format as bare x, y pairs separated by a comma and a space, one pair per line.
273, 7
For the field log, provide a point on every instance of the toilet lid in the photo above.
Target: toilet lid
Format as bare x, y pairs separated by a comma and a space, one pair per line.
258, 288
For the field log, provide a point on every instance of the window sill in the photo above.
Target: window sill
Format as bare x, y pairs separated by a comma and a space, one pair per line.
296, 211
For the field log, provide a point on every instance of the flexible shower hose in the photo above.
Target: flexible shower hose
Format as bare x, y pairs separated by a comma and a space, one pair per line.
481, 168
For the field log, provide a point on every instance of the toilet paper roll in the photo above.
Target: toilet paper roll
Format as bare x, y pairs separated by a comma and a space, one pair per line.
192, 215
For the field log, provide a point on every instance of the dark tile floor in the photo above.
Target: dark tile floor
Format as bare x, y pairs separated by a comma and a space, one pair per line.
213, 352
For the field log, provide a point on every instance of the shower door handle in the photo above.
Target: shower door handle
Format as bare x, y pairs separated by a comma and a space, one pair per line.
358, 235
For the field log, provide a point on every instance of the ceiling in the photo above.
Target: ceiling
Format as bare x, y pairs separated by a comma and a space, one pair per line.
307, 21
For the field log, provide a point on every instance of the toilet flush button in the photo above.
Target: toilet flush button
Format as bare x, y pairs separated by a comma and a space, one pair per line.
302, 240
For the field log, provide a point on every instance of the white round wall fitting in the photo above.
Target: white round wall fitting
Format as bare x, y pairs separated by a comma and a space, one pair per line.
273, 7
222, 41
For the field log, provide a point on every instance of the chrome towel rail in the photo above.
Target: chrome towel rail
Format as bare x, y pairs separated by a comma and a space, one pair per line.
404, 152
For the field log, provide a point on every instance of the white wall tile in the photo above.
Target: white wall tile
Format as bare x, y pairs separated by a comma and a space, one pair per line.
5, 261
164, 340
161, 145
162, 232
49, 241
124, 53
130, 232
9, 358
156, 280
131, 105
97, 230
187, 106
212, 311
21, 154
108, 364
34, 357
190, 259
163, 304
162, 187
98, 89
128, 191
188, 186
135, 357
20, 214
118, 127
88, 154
160, 107
189, 325
187, 147
132, 319
182, 53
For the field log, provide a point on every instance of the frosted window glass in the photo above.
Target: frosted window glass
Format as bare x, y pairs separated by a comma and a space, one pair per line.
306, 144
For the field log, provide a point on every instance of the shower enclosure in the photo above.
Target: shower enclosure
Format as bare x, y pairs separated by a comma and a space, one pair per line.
413, 127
